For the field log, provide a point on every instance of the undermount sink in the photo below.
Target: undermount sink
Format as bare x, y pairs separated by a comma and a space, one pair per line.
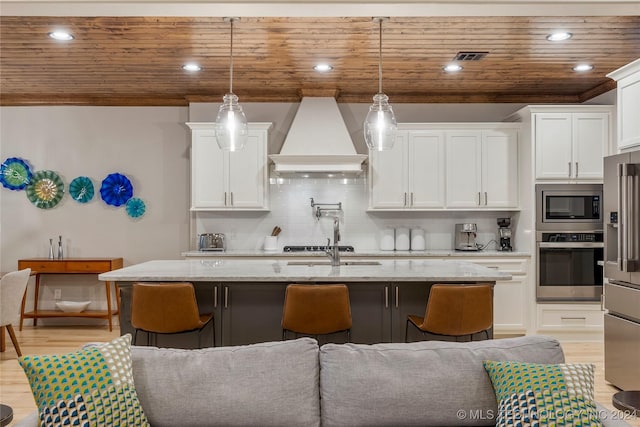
315, 263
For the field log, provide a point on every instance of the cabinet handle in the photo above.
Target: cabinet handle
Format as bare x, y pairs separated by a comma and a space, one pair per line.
397, 295
573, 318
479, 198
225, 198
412, 198
226, 297
231, 198
569, 169
405, 199
215, 297
602, 302
486, 199
576, 169
386, 297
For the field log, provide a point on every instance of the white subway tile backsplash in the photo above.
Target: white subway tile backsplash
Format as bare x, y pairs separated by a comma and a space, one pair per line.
291, 210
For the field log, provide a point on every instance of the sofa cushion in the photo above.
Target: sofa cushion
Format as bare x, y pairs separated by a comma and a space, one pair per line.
92, 386
546, 395
268, 384
430, 383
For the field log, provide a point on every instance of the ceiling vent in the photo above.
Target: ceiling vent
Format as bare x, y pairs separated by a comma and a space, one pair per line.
470, 56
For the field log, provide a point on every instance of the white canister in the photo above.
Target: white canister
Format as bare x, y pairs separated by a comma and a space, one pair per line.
402, 239
387, 239
417, 239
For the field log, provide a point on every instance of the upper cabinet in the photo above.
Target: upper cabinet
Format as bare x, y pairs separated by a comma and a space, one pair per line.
222, 180
451, 165
570, 146
411, 174
628, 78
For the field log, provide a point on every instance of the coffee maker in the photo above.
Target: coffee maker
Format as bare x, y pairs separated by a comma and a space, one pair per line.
465, 238
505, 234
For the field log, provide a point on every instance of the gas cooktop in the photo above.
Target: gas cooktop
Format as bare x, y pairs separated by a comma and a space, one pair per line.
314, 248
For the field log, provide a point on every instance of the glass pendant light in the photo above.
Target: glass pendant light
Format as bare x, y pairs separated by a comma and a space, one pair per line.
380, 126
231, 123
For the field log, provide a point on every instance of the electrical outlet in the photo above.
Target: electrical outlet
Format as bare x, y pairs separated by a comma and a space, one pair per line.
57, 293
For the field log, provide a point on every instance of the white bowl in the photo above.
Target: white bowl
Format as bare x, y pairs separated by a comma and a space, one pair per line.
73, 306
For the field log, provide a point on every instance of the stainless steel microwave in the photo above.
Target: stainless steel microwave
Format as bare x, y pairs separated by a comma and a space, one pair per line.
569, 207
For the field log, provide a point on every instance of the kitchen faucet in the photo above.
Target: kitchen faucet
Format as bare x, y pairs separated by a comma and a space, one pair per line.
333, 252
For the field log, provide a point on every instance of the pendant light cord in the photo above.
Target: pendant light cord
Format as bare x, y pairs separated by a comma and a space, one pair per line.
380, 59
231, 59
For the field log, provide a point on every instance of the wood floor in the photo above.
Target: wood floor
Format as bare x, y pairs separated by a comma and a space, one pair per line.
15, 391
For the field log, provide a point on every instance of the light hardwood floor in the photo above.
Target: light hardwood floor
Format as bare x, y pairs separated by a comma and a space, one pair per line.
15, 391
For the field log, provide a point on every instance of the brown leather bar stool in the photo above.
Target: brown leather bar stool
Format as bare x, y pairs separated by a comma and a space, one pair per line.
167, 308
316, 310
456, 310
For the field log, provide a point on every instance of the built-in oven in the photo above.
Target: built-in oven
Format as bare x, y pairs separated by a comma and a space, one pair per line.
568, 207
569, 266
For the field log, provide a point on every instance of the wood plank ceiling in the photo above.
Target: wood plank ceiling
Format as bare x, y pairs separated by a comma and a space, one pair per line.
137, 60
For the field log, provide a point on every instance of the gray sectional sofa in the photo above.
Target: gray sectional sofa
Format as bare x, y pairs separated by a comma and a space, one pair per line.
296, 383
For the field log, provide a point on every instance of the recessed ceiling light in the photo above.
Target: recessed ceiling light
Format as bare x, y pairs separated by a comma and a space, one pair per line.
452, 68
191, 67
559, 36
61, 35
323, 68
583, 67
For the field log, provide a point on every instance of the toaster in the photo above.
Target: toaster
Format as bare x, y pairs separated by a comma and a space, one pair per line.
212, 242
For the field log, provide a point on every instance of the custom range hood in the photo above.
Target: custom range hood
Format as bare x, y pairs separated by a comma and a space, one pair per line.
318, 141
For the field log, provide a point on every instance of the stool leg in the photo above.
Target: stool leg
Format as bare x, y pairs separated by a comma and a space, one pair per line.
135, 337
14, 340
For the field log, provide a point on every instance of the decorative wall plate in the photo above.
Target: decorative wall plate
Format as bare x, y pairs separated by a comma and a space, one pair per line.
81, 189
135, 207
116, 189
15, 173
45, 189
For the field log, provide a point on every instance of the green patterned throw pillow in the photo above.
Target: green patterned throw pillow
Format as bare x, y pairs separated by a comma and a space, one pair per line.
536, 395
90, 387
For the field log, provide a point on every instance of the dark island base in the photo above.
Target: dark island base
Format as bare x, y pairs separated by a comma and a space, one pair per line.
246, 313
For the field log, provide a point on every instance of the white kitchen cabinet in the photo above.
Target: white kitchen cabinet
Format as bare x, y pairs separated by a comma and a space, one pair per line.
570, 318
482, 168
570, 145
628, 91
222, 180
411, 174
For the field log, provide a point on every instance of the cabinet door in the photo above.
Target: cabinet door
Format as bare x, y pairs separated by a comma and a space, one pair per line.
464, 178
247, 173
208, 171
388, 175
553, 142
426, 169
252, 313
509, 308
500, 169
629, 111
590, 137
370, 312
406, 299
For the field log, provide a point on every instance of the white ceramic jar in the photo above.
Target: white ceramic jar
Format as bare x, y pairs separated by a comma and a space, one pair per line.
402, 239
387, 239
417, 239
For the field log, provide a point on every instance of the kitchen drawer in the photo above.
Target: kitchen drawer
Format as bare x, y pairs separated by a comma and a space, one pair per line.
570, 317
517, 266
623, 300
43, 266
88, 267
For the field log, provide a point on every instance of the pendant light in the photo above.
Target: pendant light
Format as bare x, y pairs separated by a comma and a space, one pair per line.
380, 126
231, 123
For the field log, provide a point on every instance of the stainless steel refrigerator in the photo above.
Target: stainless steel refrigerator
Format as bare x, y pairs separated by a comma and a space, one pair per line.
621, 195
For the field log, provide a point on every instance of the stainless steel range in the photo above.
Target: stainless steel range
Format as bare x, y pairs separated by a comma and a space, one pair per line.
316, 248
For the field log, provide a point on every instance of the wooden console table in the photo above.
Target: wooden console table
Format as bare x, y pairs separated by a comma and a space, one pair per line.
70, 266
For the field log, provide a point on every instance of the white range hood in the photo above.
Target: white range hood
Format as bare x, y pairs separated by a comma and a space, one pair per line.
318, 141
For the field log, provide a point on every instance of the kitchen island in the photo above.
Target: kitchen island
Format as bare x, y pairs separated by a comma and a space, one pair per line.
247, 297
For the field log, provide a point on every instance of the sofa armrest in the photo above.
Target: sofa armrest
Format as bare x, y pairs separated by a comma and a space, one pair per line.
30, 420
610, 418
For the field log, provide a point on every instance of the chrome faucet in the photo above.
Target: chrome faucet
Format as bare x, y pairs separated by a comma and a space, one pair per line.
333, 252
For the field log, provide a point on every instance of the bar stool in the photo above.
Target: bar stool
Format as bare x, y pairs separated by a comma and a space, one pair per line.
167, 308
316, 310
456, 311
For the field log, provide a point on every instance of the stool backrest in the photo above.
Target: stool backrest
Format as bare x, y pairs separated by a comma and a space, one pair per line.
164, 307
12, 287
459, 309
316, 309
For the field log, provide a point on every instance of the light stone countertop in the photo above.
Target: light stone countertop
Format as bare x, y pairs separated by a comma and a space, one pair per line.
220, 270
365, 253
